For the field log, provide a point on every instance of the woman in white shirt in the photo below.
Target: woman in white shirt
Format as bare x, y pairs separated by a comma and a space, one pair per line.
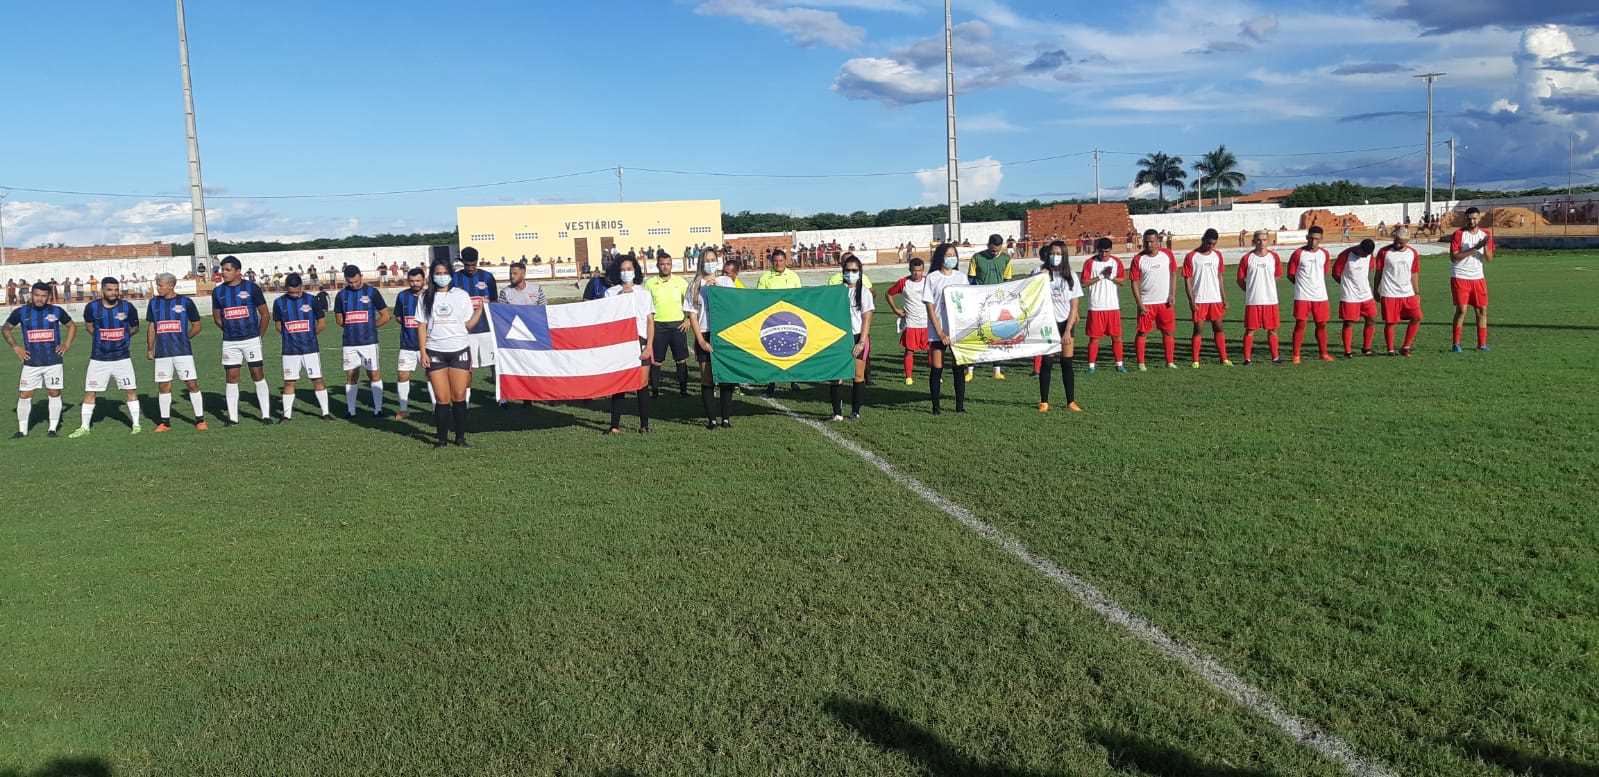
861, 305
445, 316
625, 282
946, 261
712, 272
1064, 292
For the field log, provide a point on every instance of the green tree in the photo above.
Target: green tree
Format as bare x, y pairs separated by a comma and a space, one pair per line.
1162, 171
1218, 169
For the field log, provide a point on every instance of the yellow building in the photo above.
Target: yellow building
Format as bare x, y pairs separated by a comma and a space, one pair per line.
567, 237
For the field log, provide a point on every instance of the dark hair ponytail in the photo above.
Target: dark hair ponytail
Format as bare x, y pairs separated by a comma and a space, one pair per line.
860, 282
433, 288
1066, 263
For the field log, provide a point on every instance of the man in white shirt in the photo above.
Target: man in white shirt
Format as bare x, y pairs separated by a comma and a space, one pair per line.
1398, 268
1307, 270
1153, 273
1202, 271
1352, 270
905, 298
1470, 250
1258, 272
1102, 273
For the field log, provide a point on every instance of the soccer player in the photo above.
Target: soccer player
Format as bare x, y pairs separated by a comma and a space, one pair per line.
410, 353
361, 311
239, 309
445, 317
480, 286
1469, 250
173, 322
779, 277
1307, 270
627, 284
1398, 268
300, 318
40, 352
905, 299
1102, 273
712, 272
1064, 292
667, 293
1258, 272
946, 260
1352, 270
861, 306
112, 323
1153, 271
1202, 271
990, 266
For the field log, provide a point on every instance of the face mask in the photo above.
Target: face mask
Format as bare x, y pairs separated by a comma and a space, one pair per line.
628, 276
852, 277
441, 280
712, 268
951, 263
1054, 259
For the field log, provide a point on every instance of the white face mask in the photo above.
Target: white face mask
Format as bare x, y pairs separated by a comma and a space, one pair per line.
852, 277
628, 276
712, 268
441, 280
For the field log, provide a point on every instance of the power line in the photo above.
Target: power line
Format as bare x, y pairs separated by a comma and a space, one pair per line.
340, 195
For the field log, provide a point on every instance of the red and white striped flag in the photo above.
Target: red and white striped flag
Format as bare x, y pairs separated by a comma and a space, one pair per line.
579, 350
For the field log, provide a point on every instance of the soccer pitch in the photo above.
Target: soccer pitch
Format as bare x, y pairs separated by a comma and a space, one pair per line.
1401, 553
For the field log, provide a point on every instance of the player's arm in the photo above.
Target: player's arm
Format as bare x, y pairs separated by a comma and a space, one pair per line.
321, 318
384, 314
422, 338
5, 332
1415, 275
648, 353
1293, 268
894, 291
1119, 277
1338, 266
149, 343
1171, 288
338, 310
1488, 248
194, 320
1243, 272
259, 300
1138, 299
133, 326
699, 337
1455, 254
477, 315
1378, 266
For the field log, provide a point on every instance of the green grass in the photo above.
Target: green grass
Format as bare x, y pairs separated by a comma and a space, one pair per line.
1401, 551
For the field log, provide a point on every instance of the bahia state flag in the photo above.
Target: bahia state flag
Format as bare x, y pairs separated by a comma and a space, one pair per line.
580, 350
1014, 320
770, 336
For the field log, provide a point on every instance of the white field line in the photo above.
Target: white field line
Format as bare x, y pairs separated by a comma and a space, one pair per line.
1219, 677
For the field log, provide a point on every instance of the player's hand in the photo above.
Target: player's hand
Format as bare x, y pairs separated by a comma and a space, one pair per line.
645, 357
684, 326
22, 353
704, 346
150, 354
423, 357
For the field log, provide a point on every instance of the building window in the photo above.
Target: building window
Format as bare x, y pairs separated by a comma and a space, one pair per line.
659, 231
561, 235
527, 236
699, 230
622, 233
483, 237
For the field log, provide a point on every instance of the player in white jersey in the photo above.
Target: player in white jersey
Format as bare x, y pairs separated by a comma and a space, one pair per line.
1258, 272
1102, 273
1398, 268
1307, 270
1202, 271
1154, 272
1470, 250
1064, 292
905, 299
712, 272
946, 262
1352, 270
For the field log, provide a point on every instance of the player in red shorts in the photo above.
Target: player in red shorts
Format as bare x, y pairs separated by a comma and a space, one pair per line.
1307, 270
1154, 270
1202, 270
1398, 268
1258, 272
1102, 273
1355, 302
1470, 250
905, 297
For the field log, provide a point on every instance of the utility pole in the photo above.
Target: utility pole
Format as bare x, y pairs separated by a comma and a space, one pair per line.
1452, 201
1429, 77
3, 196
952, 163
1201, 188
202, 245
619, 197
1096, 176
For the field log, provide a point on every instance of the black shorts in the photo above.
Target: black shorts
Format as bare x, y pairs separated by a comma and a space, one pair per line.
668, 334
1060, 326
700, 354
450, 360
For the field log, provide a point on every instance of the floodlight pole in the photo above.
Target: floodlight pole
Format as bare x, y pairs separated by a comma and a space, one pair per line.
1429, 77
619, 197
1096, 176
1452, 201
952, 162
202, 245
3, 196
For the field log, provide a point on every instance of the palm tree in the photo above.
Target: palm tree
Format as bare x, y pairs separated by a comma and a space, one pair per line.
1162, 171
1220, 169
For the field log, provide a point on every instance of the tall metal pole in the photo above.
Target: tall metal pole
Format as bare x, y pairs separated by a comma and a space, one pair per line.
953, 162
1096, 175
3, 196
202, 244
1429, 77
619, 197
1202, 194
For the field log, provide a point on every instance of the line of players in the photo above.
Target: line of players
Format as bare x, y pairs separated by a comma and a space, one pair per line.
239, 309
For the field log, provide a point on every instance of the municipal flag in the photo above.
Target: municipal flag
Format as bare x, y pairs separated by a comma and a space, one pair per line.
1014, 320
580, 350
798, 335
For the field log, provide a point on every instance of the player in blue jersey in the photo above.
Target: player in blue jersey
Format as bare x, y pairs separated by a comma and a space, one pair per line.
300, 318
112, 323
173, 321
361, 311
40, 352
239, 309
480, 286
410, 351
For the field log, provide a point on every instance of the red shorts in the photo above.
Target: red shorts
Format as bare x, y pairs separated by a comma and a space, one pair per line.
1261, 317
914, 339
1356, 311
1306, 310
1104, 322
1210, 311
1158, 316
1396, 308
1469, 293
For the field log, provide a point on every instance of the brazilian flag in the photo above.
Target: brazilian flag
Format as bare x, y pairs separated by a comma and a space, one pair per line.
771, 336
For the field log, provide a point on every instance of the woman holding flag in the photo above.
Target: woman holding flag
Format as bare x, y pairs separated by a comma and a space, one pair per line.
712, 272
945, 263
1064, 291
861, 305
445, 317
625, 281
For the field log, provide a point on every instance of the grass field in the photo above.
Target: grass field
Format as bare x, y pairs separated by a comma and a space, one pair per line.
1403, 552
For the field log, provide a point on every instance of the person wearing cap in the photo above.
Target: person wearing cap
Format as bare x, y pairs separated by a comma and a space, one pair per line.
300, 318
990, 266
173, 322
360, 310
481, 287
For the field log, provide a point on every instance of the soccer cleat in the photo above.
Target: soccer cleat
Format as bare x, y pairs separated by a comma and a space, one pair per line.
227, 422
1074, 407
136, 429
836, 418
1091, 370
999, 375
1454, 348
1142, 367
1405, 352
910, 381
1171, 365
854, 416
1482, 347
201, 426
645, 429
1121, 368
163, 427
1326, 357
1043, 407
327, 416
17, 435
1278, 360
710, 426
727, 423
1196, 365
52, 433
283, 419
968, 376
82, 431
614, 430
1228, 362
439, 445
399, 415
1249, 362
1349, 354
1367, 352
460, 442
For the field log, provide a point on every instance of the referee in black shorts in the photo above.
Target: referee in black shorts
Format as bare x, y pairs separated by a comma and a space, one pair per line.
667, 291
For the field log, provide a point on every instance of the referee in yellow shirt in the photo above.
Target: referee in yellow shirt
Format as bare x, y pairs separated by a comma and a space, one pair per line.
779, 277
667, 291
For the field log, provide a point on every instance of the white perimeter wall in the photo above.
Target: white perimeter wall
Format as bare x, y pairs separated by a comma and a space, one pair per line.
365, 258
889, 238
1225, 221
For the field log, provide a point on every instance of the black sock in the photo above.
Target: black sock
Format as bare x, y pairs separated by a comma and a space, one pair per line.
1045, 365
726, 399
616, 411
444, 418
643, 410
1068, 379
960, 388
833, 391
855, 392
935, 384
460, 420
705, 402
682, 378
655, 378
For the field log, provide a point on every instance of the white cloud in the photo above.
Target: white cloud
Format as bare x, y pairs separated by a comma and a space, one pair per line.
804, 26
979, 180
104, 222
891, 81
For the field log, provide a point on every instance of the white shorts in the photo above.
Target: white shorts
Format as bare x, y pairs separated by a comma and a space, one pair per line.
482, 349
103, 375
408, 361
49, 377
180, 367
309, 363
237, 352
358, 357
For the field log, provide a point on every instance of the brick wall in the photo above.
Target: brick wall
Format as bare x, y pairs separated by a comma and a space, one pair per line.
1329, 222
84, 253
760, 244
1070, 221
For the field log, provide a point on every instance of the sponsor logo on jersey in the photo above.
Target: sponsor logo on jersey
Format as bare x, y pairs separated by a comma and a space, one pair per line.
52, 318
297, 327
121, 316
355, 317
168, 327
236, 312
410, 322
111, 335
41, 335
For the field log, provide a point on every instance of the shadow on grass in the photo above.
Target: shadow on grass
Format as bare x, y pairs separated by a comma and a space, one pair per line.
889, 730
1129, 753
1522, 762
89, 766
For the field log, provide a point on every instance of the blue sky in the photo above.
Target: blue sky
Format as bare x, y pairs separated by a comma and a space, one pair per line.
299, 97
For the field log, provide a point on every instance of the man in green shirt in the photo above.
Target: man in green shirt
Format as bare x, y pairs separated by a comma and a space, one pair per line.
666, 292
990, 266
779, 277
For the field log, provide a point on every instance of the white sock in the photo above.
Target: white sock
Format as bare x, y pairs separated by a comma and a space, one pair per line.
322, 399
1118, 364
55, 413
86, 413
163, 402
377, 397
403, 388
349, 399
468, 397
432, 397
263, 397
197, 401
288, 405
133, 413
997, 371
1090, 365
24, 409
232, 393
